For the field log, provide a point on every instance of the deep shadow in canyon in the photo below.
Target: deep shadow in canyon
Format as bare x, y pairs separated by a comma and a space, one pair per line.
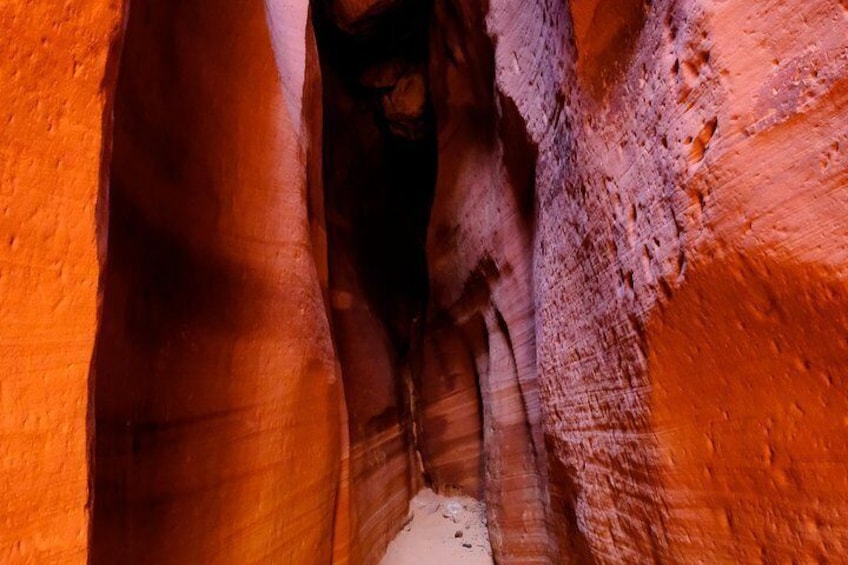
473, 252
379, 163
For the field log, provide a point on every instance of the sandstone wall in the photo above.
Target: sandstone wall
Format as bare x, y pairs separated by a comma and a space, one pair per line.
379, 169
481, 417
585, 260
218, 432
57, 74
689, 269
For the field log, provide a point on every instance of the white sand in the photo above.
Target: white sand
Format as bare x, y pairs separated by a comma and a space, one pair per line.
430, 537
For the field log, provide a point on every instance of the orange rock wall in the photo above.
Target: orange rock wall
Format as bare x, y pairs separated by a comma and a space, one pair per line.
57, 74
585, 260
218, 432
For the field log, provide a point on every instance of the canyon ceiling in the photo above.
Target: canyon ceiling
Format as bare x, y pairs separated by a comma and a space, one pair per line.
269, 268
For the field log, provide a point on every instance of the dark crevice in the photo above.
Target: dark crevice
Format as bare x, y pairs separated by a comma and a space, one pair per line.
108, 88
167, 276
519, 156
379, 183
379, 166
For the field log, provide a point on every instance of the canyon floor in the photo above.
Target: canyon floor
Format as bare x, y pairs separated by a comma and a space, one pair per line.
442, 530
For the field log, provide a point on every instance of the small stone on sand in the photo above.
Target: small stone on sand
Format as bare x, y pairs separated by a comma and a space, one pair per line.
427, 537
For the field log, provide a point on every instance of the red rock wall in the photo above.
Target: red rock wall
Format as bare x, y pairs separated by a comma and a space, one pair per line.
56, 76
481, 416
584, 260
689, 270
383, 475
379, 166
217, 393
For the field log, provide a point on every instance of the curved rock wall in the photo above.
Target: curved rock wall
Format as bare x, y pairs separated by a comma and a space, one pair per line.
379, 164
217, 389
481, 418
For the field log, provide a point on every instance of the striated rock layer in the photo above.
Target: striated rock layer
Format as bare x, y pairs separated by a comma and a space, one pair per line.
689, 270
481, 418
217, 394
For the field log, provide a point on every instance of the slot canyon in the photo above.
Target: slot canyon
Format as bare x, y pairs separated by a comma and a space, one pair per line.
270, 269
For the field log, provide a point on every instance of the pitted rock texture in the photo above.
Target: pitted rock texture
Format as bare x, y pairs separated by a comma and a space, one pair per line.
757, 454
57, 76
687, 227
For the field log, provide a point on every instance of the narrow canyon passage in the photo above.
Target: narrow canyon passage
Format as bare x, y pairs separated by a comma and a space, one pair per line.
379, 162
374, 281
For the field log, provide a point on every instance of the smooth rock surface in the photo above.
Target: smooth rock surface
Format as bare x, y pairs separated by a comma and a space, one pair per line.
218, 421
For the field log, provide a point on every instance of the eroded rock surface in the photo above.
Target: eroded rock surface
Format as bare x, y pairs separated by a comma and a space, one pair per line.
379, 165
481, 416
677, 191
57, 75
585, 261
218, 432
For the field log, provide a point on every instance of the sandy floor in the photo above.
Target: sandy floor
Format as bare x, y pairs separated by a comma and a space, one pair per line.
442, 531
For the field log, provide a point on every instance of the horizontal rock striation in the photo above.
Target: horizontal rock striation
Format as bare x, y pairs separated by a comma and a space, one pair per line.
217, 394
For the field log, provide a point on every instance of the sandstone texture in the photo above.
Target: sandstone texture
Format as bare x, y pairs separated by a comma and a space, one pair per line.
269, 269
689, 270
479, 378
56, 81
217, 393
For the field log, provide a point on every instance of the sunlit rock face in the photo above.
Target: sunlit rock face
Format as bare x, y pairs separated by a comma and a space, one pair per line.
270, 268
57, 75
